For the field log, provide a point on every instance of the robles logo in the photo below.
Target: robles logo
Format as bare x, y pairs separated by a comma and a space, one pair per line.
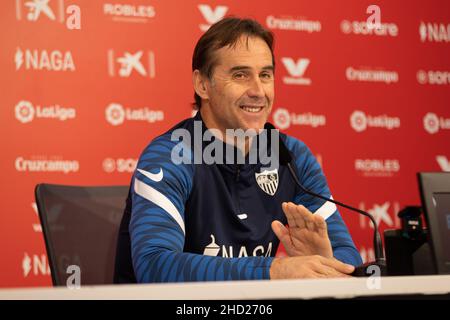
25, 112
359, 121
129, 12
377, 167
116, 114
283, 119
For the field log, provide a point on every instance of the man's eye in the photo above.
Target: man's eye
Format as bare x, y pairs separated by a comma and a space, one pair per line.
266, 76
239, 75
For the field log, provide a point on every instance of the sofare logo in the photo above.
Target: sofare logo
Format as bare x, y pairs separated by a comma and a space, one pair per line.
385, 213
283, 119
434, 32
296, 71
367, 75
296, 24
129, 12
25, 112
46, 164
377, 167
121, 165
359, 121
116, 114
433, 77
36, 10
432, 123
34, 59
367, 29
211, 15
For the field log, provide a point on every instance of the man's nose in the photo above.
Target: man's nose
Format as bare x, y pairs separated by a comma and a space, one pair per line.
256, 88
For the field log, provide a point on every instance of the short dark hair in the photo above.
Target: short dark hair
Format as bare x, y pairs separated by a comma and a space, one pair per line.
226, 32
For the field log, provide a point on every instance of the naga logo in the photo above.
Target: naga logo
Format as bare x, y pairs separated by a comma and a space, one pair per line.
287, 23
359, 121
433, 77
432, 123
129, 12
39, 8
283, 119
377, 167
211, 16
434, 32
365, 75
42, 164
129, 62
25, 112
381, 214
35, 265
368, 29
443, 163
111, 165
213, 250
116, 114
296, 70
42, 60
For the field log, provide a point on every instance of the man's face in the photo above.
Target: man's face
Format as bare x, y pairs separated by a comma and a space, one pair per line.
241, 91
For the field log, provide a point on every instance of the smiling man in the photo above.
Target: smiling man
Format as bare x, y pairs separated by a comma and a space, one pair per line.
198, 221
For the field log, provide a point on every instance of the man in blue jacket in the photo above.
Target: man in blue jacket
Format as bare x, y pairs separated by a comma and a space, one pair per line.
188, 219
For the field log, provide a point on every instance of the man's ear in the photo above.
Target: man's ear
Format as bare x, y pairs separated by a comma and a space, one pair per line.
200, 85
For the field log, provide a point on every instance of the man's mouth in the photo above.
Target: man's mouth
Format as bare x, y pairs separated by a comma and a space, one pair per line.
252, 109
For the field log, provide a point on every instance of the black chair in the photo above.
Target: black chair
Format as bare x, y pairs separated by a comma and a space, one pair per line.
80, 226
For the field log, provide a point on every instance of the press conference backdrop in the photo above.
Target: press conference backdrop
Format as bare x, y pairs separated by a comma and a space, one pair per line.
85, 85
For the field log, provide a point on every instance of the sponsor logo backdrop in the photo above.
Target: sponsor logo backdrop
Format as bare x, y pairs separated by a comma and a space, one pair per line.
85, 85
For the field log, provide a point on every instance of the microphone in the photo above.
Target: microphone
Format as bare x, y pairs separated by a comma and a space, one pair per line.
365, 269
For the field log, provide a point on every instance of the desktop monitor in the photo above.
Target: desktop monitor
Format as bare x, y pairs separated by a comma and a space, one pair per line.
435, 196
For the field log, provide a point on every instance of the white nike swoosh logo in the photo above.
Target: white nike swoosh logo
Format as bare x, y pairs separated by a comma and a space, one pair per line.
157, 177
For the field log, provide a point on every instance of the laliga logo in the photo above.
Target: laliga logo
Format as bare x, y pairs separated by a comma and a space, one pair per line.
282, 118
358, 121
115, 114
211, 16
24, 111
431, 123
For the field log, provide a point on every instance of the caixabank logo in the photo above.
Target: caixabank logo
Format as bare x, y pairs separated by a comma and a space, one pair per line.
57, 11
128, 63
129, 12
